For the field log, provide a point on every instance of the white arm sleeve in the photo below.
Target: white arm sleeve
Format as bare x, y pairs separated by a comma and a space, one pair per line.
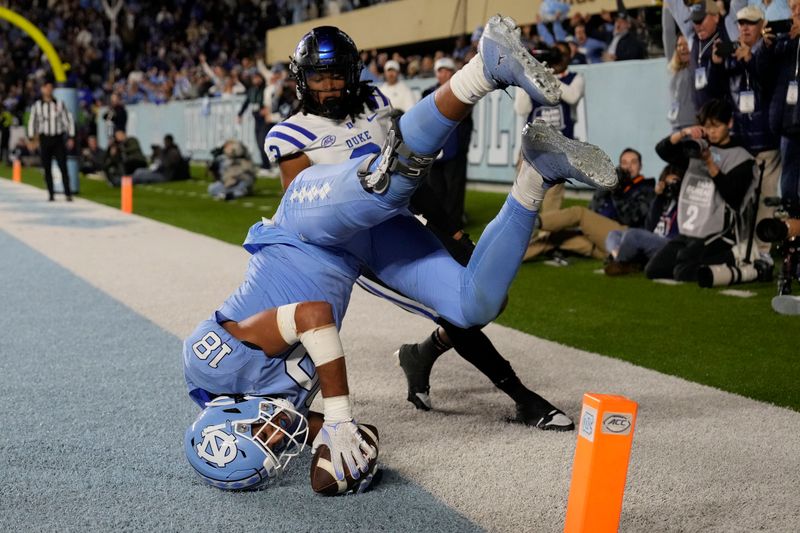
573, 92
522, 103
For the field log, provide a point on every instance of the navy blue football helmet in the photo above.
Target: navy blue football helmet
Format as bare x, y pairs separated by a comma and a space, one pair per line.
327, 49
240, 444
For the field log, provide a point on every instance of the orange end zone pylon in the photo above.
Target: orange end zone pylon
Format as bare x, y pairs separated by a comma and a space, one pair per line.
126, 194
600, 466
16, 171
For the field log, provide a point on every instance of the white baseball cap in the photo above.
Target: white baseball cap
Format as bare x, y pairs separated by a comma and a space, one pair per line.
750, 14
444, 62
391, 65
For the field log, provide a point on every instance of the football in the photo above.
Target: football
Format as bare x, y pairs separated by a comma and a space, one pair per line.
322, 479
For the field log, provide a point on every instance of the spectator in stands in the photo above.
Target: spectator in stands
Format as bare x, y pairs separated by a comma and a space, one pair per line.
124, 157
168, 165
427, 67
92, 157
630, 202
548, 22
461, 48
625, 207
750, 86
629, 250
395, 89
23, 151
564, 115
588, 46
116, 116
625, 45
260, 112
234, 172
575, 55
708, 28
448, 175
716, 187
682, 111
6, 121
773, 10
285, 102
781, 57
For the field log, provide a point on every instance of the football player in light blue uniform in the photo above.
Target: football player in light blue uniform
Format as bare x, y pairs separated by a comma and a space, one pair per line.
336, 218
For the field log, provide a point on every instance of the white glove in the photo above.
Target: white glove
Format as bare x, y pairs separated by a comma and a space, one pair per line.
345, 442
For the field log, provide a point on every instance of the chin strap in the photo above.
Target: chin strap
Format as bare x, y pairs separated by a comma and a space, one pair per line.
395, 157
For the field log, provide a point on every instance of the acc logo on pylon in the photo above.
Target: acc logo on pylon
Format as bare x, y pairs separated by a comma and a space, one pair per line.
217, 447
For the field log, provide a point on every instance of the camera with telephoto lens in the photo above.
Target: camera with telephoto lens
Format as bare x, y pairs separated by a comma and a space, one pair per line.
720, 275
694, 148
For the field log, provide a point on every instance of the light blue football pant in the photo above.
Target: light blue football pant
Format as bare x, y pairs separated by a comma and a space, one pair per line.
326, 205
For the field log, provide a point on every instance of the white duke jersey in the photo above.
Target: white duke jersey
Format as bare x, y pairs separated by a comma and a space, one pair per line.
328, 141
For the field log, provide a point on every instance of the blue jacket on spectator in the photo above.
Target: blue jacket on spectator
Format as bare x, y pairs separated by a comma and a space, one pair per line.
628, 204
701, 57
782, 58
733, 77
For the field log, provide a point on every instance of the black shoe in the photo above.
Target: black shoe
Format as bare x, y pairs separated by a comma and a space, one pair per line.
551, 419
417, 376
69, 197
51, 199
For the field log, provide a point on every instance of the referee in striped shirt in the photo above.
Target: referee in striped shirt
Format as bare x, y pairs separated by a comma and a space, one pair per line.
52, 122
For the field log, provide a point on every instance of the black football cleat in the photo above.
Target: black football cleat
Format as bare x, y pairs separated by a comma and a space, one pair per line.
417, 376
552, 420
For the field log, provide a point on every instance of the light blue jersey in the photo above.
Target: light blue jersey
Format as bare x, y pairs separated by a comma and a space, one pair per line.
282, 270
215, 363
326, 228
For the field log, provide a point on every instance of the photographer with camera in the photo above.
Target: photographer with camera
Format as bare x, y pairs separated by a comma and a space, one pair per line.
630, 249
740, 70
583, 231
719, 178
785, 232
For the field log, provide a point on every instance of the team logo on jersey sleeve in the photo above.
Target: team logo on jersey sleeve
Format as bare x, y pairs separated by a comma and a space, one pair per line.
328, 140
217, 447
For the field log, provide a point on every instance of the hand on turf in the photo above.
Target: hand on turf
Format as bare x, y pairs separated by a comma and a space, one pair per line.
346, 445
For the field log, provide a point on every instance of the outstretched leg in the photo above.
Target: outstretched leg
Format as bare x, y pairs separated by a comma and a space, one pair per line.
473, 295
474, 346
325, 205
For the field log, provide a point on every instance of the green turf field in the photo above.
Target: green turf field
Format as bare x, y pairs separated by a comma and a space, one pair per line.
735, 344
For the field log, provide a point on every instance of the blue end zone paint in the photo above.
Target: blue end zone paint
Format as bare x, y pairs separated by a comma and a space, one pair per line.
92, 422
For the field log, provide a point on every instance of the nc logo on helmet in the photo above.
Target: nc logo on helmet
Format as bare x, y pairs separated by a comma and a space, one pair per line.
217, 447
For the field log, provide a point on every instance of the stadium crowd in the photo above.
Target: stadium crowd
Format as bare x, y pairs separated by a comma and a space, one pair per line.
732, 65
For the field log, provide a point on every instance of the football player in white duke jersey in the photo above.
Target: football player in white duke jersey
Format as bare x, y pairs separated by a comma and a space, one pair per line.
339, 118
342, 118
245, 366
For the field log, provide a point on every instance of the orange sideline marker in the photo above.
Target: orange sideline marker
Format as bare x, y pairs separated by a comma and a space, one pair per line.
126, 192
16, 171
601, 461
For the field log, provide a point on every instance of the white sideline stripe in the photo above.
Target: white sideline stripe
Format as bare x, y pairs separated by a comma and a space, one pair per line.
692, 443
666, 281
738, 293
